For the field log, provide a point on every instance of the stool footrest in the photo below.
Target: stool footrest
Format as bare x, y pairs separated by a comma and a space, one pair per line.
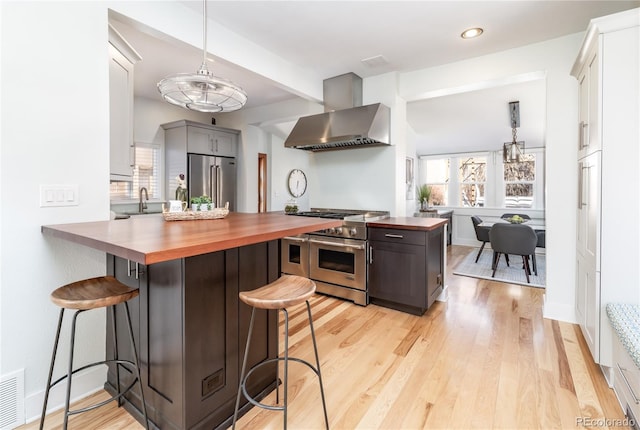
125, 363
104, 402
258, 366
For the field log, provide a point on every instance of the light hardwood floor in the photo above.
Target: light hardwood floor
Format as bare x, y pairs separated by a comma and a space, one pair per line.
484, 359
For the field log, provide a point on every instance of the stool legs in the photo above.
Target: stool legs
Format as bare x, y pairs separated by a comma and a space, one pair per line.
315, 350
244, 368
71, 371
53, 360
137, 367
244, 375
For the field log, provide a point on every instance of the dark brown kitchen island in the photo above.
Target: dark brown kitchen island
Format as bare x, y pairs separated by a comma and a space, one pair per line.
188, 321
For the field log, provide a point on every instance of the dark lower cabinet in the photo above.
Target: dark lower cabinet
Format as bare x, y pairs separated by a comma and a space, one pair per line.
405, 268
190, 330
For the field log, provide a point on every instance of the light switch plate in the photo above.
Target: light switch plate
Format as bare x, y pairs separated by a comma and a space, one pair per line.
59, 195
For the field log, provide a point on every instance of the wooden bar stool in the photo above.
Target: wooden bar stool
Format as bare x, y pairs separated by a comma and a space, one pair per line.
286, 291
84, 295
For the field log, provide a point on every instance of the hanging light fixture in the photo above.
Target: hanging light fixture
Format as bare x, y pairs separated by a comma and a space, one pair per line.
201, 91
513, 151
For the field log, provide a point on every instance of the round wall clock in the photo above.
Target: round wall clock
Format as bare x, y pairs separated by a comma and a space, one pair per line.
297, 182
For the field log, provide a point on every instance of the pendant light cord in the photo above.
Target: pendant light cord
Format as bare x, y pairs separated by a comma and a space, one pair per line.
204, 33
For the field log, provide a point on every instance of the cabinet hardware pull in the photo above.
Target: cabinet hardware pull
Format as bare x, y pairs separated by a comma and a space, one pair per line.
295, 239
583, 199
138, 271
129, 270
394, 236
582, 131
580, 186
370, 254
337, 245
622, 370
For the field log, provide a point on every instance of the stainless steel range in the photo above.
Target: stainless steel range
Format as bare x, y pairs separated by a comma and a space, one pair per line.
335, 258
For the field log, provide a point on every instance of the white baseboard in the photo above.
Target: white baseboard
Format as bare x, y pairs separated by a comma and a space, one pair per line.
84, 384
559, 311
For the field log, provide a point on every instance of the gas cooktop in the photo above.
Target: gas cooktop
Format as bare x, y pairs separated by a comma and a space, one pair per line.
345, 214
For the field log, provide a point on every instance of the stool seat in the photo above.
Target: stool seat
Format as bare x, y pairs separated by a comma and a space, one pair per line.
79, 297
288, 290
93, 293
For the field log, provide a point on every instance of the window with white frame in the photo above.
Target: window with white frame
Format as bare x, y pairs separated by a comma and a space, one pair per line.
482, 180
472, 176
520, 182
147, 173
436, 174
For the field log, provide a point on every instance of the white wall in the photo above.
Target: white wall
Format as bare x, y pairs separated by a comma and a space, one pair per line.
55, 130
148, 115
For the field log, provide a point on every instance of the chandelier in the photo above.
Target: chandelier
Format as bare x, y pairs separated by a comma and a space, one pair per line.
513, 151
201, 91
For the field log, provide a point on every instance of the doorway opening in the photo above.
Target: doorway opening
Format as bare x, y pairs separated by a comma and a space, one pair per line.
262, 182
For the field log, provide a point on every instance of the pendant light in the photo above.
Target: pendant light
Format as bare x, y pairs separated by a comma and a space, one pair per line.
201, 91
513, 151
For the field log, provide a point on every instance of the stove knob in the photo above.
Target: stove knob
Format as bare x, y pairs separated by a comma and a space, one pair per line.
338, 230
353, 232
331, 230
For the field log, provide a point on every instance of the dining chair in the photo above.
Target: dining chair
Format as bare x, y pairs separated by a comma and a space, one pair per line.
482, 233
516, 239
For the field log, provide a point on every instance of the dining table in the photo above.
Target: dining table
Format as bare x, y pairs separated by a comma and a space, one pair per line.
535, 224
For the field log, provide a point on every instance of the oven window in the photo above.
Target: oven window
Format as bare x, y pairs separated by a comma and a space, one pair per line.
336, 261
294, 254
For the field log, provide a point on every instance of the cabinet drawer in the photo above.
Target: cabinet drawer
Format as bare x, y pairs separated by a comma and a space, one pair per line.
627, 377
409, 237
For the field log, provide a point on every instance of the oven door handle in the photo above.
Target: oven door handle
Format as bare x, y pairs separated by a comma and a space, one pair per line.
296, 239
339, 245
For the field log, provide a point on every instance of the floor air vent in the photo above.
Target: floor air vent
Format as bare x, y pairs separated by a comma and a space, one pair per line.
12, 400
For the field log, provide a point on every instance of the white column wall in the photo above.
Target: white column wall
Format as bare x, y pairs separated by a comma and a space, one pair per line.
55, 130
555, 58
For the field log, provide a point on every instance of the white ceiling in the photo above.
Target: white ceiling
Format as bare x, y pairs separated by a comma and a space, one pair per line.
332, 37
478, 120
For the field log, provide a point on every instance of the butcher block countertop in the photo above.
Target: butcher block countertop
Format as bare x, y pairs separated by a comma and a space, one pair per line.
149, 239
409, 223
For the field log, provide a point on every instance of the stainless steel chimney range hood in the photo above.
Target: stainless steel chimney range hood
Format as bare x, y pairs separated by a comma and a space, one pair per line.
350, 125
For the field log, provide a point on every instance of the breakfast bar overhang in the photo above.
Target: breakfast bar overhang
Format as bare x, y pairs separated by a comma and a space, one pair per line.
188, 320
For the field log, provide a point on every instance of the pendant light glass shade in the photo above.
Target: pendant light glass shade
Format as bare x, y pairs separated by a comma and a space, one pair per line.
201, 91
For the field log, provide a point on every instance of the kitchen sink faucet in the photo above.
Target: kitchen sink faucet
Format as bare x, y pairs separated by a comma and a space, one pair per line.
143, 203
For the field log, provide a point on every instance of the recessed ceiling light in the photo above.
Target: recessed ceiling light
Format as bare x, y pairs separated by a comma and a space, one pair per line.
471, 33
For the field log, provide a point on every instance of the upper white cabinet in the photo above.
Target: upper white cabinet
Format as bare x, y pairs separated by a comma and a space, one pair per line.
608, 212
122, 58
589, 136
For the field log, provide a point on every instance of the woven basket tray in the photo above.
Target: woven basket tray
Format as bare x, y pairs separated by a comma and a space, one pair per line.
190, 215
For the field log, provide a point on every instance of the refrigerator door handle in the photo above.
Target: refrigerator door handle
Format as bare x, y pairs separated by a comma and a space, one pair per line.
218, 187
212, 182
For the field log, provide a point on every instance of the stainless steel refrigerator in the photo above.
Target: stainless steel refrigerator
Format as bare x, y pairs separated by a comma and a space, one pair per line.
214, 177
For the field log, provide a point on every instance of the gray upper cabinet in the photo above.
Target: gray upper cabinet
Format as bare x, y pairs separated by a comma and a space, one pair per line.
201, 140
197, 138
188, 137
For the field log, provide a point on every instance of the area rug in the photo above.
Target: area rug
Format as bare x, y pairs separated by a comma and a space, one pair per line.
512, 275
